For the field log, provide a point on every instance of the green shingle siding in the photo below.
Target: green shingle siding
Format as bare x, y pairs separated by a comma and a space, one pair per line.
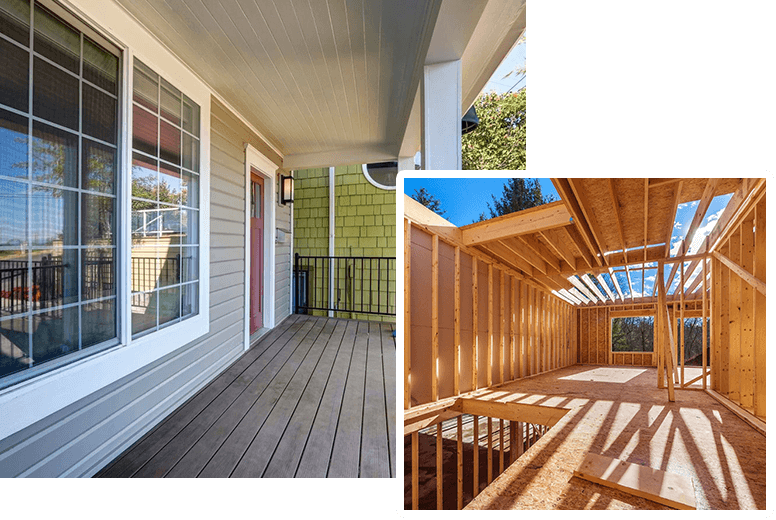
365, 218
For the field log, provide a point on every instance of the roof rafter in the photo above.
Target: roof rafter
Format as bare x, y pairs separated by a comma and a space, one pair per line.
591, 222
567, 195
616, 284
605, 285
616, 207
674, 204
555, 242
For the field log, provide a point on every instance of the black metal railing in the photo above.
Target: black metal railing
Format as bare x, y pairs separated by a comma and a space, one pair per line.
353, 284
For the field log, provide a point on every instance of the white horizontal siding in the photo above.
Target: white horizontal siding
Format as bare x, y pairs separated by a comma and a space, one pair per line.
82, 438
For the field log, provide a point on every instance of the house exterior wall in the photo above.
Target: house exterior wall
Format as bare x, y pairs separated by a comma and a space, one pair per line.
83, 437
365, 220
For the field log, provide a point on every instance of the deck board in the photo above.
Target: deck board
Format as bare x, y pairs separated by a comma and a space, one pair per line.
295, 404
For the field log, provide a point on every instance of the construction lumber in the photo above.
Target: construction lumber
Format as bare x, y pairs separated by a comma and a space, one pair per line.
660, 486
741, 272
744, 415
532, 220
521, 412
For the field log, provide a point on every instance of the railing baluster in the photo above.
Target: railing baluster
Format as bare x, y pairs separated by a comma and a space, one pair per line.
367, 287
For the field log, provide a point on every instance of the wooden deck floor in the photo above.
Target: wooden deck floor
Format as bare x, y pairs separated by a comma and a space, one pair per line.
314, 398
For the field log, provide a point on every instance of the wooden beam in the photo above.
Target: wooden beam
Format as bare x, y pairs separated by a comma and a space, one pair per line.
760, 318
646, 216
414, 464
567, 195
665, 334
616, 284
654, 183
591, 284
741, 272
747, 417
475, 319
737, 205
617, 218
426, 421
457, 322
575, 237
660, 486
420, 214
521, 412
439, 466
460, 463
507, 257
748, 190
489, 363
582, 287
407, 313
592, 223
553, 239
672, 214
605, 286
522, 253
700, 211
435, 317
532, 220
540, 249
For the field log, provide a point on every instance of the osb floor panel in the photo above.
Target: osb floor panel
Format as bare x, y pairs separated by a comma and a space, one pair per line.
620, 413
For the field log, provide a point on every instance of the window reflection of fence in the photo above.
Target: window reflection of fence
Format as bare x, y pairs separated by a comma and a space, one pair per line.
362, 285
47, 282
149, 273
156, 222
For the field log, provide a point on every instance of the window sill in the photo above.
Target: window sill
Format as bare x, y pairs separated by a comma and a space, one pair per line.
29, 401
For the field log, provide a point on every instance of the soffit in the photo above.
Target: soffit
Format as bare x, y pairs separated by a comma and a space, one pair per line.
315, 78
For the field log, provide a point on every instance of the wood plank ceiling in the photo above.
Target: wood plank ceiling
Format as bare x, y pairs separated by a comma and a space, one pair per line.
313, 77
603, 239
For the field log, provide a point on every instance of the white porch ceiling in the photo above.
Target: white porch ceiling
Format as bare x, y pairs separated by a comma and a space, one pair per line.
329, 82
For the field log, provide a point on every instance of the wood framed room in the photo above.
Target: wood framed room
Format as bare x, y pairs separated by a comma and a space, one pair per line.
577, 355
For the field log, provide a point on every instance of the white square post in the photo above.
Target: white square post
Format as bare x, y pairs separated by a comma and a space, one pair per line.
440, 124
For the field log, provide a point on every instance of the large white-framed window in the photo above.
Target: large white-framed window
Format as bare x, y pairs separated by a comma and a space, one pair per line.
88, 187
59, 163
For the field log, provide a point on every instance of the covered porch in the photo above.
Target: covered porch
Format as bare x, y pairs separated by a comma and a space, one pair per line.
312, 398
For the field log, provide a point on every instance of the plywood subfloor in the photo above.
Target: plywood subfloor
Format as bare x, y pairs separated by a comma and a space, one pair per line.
314, 398
623, 415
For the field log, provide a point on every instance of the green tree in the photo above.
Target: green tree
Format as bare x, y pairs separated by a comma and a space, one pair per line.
428, 200
517, 194
498, 143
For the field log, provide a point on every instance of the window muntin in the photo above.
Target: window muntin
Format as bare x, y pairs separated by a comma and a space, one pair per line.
165, 203
58, 150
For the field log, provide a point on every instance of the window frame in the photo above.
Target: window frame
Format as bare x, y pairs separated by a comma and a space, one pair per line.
631, 314
31, 397
376, 184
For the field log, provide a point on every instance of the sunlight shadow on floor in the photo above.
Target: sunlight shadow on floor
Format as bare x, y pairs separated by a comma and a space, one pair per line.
606, 375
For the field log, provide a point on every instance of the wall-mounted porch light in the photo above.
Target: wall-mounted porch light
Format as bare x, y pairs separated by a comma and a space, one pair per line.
286, 189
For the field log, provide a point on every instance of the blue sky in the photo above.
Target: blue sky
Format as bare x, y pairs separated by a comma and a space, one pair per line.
516, 58
465, 199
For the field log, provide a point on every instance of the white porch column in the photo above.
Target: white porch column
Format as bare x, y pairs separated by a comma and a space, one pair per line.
440, 123
406, 163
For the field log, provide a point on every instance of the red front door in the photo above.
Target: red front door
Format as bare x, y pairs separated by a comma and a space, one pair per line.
257, 251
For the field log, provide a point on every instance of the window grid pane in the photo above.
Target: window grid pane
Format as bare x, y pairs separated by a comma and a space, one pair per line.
165, 203
57, 215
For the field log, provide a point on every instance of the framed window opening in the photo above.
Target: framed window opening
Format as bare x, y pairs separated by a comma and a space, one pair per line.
632, 334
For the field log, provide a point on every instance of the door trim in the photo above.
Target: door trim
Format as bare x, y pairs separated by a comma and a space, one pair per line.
256, 161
